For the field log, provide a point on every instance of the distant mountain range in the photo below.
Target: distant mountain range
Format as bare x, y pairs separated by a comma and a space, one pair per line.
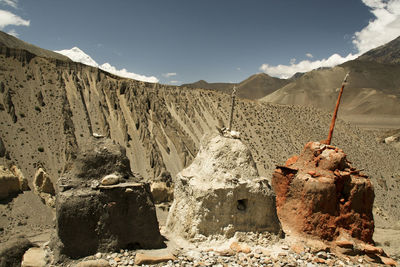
254, 87
373, 85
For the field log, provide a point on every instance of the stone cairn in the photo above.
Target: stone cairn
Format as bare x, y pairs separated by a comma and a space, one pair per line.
101, 206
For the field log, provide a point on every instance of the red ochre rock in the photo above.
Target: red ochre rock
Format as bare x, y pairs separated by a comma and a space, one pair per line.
338, 199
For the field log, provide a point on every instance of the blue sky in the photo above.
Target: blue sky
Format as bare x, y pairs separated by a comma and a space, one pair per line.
214, 40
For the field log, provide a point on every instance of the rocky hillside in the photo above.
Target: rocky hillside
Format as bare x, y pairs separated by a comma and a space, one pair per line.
373, 88
50, 107
9, 41
388, 53
254, 87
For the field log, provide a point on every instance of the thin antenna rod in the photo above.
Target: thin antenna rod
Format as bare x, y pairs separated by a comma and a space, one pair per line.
328, 141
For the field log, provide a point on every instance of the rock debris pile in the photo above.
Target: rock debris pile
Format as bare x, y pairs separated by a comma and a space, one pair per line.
258, 250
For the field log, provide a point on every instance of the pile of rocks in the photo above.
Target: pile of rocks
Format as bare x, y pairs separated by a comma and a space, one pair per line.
241, 254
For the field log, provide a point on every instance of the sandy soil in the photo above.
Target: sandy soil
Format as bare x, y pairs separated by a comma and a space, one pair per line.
26, 215
389, 240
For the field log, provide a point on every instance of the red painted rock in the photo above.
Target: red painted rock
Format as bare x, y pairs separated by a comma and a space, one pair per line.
240, 248
338, 200
369, 249
318, 260
291, 160
297, 248
344, 244
388, 261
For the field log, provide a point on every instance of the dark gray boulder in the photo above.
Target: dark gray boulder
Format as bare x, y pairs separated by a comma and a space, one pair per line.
101, 206
12, 251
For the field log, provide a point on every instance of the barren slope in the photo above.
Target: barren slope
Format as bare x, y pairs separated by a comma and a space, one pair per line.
373, 89
372, 93
388, 53
10, 41
57, 105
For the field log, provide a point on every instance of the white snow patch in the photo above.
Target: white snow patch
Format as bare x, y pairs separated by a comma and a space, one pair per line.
77, 55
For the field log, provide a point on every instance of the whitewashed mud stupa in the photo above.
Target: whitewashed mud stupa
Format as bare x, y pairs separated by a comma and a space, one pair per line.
221, 192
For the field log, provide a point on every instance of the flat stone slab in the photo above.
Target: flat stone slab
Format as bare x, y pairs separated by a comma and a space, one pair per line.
150, 259
93, 263
120, 185
34, 257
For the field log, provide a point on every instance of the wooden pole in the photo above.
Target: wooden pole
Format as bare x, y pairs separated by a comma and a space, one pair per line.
328, 141
232, 107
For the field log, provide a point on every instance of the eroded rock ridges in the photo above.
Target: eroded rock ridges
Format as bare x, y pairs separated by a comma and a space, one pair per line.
320, 194
59, 105
12, 182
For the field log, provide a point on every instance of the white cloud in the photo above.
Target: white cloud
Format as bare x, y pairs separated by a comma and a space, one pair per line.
379, 31
174, 82
127, 74
78, 55
309, 55
384, 28
169, 74
13, 32
12, 3
8, 18
287, 71
292, 61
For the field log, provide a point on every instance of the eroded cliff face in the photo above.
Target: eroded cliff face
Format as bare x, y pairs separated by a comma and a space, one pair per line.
52, 107
49, 108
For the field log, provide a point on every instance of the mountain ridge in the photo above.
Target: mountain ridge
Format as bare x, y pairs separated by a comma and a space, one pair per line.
10, 41
388, 53
253, 87
373, 87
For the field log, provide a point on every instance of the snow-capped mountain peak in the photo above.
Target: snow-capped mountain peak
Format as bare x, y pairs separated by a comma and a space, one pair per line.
77, 55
